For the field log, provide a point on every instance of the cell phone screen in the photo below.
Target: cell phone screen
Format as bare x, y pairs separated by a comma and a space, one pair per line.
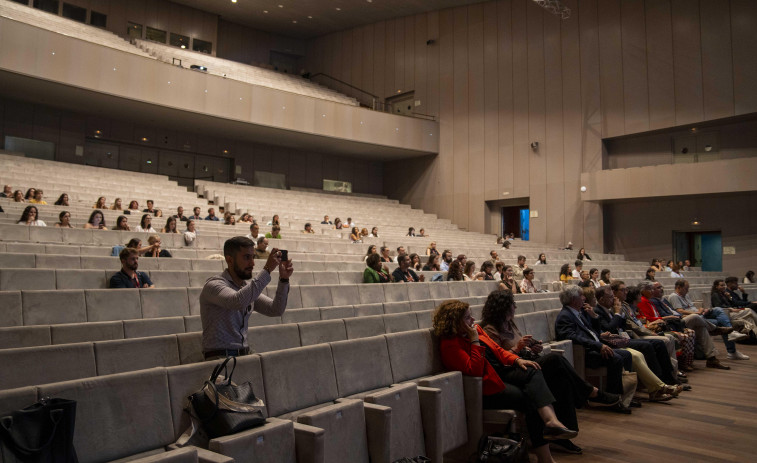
284, 255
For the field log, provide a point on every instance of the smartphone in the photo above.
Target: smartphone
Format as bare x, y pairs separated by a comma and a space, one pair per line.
284, 255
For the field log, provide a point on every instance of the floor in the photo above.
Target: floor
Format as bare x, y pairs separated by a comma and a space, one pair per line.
714, 422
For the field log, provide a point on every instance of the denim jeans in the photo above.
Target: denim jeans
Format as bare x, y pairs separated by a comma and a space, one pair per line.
720, 318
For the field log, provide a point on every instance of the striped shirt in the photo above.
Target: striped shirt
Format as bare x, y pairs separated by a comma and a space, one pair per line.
225, 309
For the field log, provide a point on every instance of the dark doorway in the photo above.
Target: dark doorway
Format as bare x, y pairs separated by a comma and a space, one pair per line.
515, 220
704, 249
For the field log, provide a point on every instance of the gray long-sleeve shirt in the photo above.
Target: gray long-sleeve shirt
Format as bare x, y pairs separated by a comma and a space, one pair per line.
225, 309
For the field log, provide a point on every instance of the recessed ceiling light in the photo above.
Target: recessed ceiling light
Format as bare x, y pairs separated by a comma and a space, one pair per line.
281, 6
183, 46
265, 11
225, 151
53, 53
114, 69
169, 82
310, 17
338, 9
233, 1
145, 139
294, 21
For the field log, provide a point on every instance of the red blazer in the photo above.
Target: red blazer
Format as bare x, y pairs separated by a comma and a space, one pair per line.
458, 354
647, 310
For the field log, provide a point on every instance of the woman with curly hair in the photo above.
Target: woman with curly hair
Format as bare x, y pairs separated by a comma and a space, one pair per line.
376, 271
508, 381
565, 275
455, 272
571, 392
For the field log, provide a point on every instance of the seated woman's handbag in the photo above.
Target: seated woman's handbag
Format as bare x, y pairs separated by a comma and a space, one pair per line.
40, 433
617, 341
224, 408
495, 448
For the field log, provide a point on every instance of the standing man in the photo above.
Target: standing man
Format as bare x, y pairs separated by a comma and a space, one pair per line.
227, 300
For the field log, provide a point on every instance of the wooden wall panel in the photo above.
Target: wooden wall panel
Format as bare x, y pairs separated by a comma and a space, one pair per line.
635, 89
717, 62
610, 69
506, 117
553, 211
537, 84
409, 54
446, 168
660, 72
460, 143
390, 77
476, 118
743, 14
379, 59
687, 59
491, 104
432, 71
419, 66
521, 143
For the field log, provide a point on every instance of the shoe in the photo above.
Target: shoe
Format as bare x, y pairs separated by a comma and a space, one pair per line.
737, 336
558, 433
688, 369
659, 396
567, 446
713, 362
722, 330
635, 404
672, 390
604, 399
682, 380
686, 387
619, 408
737, 356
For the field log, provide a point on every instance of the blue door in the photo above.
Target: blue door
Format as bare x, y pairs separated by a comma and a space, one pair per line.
524, 217
712, 252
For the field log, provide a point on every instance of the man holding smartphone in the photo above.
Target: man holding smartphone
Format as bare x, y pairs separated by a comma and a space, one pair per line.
227, 300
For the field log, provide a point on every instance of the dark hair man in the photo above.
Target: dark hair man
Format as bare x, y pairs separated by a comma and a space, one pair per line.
129, 277
403, 273
228, 299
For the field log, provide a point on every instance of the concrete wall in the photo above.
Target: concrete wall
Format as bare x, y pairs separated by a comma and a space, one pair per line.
503, 74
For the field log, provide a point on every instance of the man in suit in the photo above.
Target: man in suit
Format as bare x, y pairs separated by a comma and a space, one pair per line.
654, 350
572, 323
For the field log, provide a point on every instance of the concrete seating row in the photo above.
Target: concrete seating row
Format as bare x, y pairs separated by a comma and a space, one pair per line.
348, 410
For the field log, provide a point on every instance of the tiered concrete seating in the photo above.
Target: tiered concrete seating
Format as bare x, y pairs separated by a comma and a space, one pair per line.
254, 75
65, 26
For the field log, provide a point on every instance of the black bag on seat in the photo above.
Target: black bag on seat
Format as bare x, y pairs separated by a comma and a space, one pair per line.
40, 433
223, 407
496, 448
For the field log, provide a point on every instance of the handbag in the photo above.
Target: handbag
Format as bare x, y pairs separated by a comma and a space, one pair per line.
223, 407
495, 448
617, 341
40, 433
630, 381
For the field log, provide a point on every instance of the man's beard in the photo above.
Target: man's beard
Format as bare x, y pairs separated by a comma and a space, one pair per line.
243, 273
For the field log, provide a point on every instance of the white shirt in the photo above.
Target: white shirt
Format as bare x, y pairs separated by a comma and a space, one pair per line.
255, 238
189, 237
538, 262
37, 223
350, 225
149, 230
576, 274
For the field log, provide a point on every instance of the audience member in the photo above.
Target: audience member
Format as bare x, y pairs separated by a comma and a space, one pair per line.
64, 220
274, 233
669, 266
326, 220
96, 221
145, 225
527, 283
508, 281
494, 257
569, 247
735, 295
274, 220
469, 271
227, 300
364, 233
18, 196
422, 233
376, 271
655, 264
403, 273
585, 280
355, 235
675, 271
150, 207
62, 200
582, 255
604, 277
610, 320
400, 250
518, 269
171, 226
255, 234
374, 232
446, 260
432, 265
565, 274
122, 223
509, 382
431, 249
542, 259
337, 224
212, 215
261, 248
30, 217
594, 278
117, 206
196, 214
38, 198
7, 192
658, 390
245, 218
190, 234
101, 204
695, 320
30, 194
499, 270
415, 262
506, 245
677, 330
228, 218
573, 323
308, 229
687, 265
463, 259
156, 251
578, 266
179, 216
455, 272
570, 390
385, 257
727, 295
749, 277
411, 232
487, 271
129, 276
350, 224
158, 213
371, 250
133, 205
650, 275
